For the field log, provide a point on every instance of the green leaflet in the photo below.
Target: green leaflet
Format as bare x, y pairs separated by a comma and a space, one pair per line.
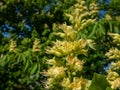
93, 31
23, 58
110, 24
108, 88
116, 29
99, 82
33, 68
19, 59
26, 65
101, 29
2, 61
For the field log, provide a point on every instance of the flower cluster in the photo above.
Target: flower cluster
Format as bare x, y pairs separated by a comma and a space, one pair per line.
36, 46
62, 48
116, 37
81, 16
64, 74
113, 53
114, 79
65, 67
13, 46
113, 76
77, 84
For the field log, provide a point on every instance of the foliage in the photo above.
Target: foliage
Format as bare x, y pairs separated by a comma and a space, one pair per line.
20, 66
59, 44
23, 21
99, 82
20, 17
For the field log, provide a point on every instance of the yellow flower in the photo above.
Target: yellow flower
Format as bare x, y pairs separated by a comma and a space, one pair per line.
112, 76
115, 65
116, 37
56, 72
13, 45
113, 53
54, 52
66, 83
68, 31
116, 84
76, 84
49, 83
36, 46
61, 48
93, 6
51, 61
108, 17
62, 35
80, 84
74, 63
79, 46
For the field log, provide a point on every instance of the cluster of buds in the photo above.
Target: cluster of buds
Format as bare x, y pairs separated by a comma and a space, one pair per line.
113, 76
13, 45
36, 45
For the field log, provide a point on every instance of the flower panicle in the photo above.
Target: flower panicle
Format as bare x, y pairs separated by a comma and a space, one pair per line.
36, 45
13, 45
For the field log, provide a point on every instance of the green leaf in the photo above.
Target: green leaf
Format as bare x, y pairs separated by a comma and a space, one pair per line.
99, 82
37, 75
2, 61
26, 65
34, 68
101, 29
116, 29
108, 88
23, 58
19, 58
93, 31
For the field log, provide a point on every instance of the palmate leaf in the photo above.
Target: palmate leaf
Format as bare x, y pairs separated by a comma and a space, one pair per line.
99, 82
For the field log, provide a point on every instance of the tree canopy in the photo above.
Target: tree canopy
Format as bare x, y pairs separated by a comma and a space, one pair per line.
59, 44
